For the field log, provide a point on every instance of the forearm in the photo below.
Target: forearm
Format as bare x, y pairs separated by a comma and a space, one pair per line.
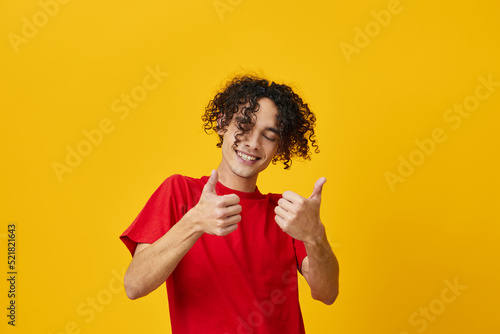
151, 266
322, 270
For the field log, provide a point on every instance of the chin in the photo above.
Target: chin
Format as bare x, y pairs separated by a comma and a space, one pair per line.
244, 173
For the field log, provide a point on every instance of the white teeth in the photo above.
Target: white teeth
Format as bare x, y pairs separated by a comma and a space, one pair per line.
246, 157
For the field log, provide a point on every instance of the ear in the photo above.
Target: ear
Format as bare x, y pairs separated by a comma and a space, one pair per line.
278, 152
220, 130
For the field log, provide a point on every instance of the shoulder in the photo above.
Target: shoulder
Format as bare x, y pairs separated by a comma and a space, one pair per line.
178, 182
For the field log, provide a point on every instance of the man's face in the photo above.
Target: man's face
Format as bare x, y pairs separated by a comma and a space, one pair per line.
255, 149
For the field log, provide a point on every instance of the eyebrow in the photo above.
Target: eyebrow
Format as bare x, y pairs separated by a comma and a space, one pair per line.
276, 131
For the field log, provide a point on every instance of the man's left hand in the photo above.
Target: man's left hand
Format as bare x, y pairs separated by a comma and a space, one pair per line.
299, 216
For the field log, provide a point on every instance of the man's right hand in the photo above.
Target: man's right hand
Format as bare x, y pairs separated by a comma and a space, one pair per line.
217, 215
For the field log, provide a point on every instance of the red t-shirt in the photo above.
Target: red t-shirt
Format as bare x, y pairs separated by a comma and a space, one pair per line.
244, 283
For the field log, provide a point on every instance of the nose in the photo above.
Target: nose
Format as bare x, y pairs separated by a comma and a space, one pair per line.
252, 140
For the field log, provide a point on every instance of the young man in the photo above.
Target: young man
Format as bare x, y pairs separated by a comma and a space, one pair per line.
229, 254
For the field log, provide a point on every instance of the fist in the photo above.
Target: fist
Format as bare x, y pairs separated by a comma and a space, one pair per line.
298, 216
217, 215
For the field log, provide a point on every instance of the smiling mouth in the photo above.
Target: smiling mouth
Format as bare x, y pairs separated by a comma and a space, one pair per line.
247, 157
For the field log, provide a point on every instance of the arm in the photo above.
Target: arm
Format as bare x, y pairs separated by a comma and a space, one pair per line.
153, 263
320, 268
299, 217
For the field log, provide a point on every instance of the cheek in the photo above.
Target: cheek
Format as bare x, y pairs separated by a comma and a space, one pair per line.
228, 137
272, 150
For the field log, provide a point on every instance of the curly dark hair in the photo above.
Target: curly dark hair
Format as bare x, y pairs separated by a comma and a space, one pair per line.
295, 121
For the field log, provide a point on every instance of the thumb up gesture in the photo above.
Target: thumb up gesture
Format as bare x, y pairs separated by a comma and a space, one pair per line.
299, 216
217, 215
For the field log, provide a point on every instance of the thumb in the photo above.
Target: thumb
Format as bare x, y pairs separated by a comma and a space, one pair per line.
212, 181
318, 188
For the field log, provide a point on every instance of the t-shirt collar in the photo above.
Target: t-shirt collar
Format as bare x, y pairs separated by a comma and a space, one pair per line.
223, 190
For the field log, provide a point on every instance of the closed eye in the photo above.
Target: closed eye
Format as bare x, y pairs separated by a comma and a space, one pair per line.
268, 138
271, 133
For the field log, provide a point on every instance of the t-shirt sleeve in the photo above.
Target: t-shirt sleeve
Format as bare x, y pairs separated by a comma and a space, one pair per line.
299, 248
300, 253
163, 209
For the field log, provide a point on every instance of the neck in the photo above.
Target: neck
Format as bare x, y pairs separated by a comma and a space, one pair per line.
236, 182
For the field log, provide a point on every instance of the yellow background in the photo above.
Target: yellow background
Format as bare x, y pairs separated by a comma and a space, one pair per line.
397, 247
